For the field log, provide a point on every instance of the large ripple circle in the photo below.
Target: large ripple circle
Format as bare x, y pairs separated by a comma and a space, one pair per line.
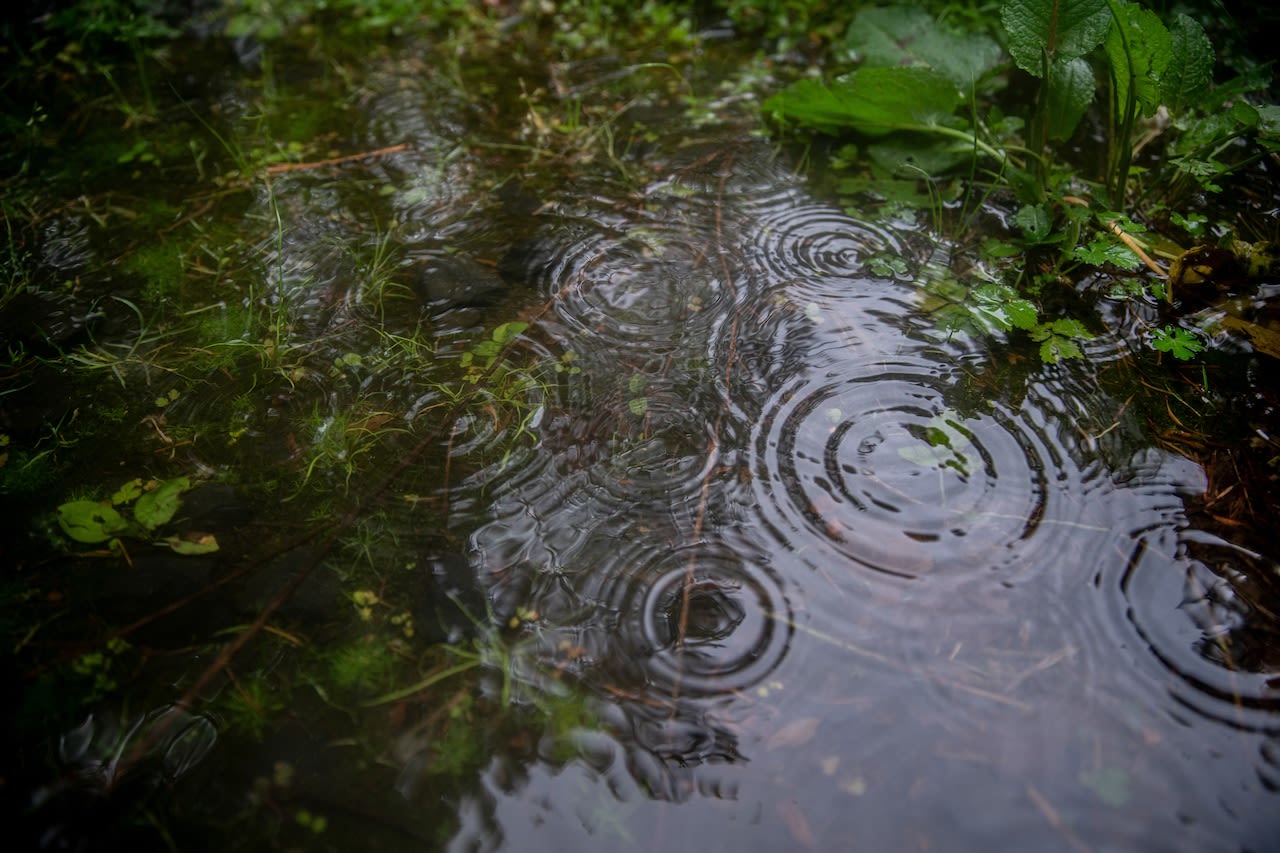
808, 240
878, 470
699, 620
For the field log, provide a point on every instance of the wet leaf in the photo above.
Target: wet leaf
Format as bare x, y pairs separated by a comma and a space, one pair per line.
90, 522
1070, 91
1187, 78
794, 733
130, 491
906, 35
797, 823
1139, 49
1056, 30
1111, 784
873, 101
191, 544
158, 506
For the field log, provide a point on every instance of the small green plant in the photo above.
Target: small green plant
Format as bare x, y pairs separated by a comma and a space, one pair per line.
154, 504
1180, 343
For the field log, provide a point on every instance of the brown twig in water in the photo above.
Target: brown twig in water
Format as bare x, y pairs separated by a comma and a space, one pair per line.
280, 168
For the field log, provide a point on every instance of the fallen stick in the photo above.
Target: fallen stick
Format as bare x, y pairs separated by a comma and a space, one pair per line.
280, 168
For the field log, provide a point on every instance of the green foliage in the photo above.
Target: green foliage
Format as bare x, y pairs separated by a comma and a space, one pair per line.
1044, 33
906, 36
154, 505
917, 107
873, 101
1180, 343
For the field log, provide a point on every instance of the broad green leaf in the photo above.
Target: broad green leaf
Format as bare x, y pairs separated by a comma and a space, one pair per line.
90, 522
1187, 78
157, 506
1068, 92
1139, 49
1034, 221
1044, 31
508, 332
908, 155
896, 36
873, 101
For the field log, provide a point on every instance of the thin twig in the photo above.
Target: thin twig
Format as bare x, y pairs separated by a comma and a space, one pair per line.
280, 168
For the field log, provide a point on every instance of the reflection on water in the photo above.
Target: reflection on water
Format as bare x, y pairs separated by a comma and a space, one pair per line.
820, 574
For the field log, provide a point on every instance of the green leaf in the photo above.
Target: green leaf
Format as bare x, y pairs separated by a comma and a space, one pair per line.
907, 155
1139, 49
192, 544
90, 522
160, 504
1045, 31
508, 332
1179, 343
897, 36
1056, 339
1106, 249
943, 445
638, 406
128, 492
1035, 222
997, 307
1186, 80
873, 101
1068, 92
1110, 784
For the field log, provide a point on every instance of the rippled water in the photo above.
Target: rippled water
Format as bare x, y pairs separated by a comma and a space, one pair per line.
823, 575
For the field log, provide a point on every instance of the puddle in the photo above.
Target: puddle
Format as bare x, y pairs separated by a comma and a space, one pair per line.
636, 499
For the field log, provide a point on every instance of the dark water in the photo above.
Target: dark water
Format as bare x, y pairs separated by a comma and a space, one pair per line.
772, 560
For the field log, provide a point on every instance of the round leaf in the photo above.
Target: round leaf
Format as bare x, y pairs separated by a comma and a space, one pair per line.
90, 522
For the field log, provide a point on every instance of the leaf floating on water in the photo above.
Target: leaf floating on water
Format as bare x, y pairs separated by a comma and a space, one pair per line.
159, 505
794, 733
797, 823
90, 522
1111, 784
191, 544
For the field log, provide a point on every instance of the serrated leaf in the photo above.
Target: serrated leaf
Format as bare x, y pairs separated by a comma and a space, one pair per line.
1046, 31
873, 101
638, 406
1106, 249
896, 36
1055, 349
159, 505
1187, 79
997, 307
1139, 49
1069, 92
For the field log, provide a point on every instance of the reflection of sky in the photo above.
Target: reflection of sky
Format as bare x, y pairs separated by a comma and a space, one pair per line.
917, 584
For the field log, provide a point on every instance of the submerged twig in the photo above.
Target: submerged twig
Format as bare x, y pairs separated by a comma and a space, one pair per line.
279, 168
